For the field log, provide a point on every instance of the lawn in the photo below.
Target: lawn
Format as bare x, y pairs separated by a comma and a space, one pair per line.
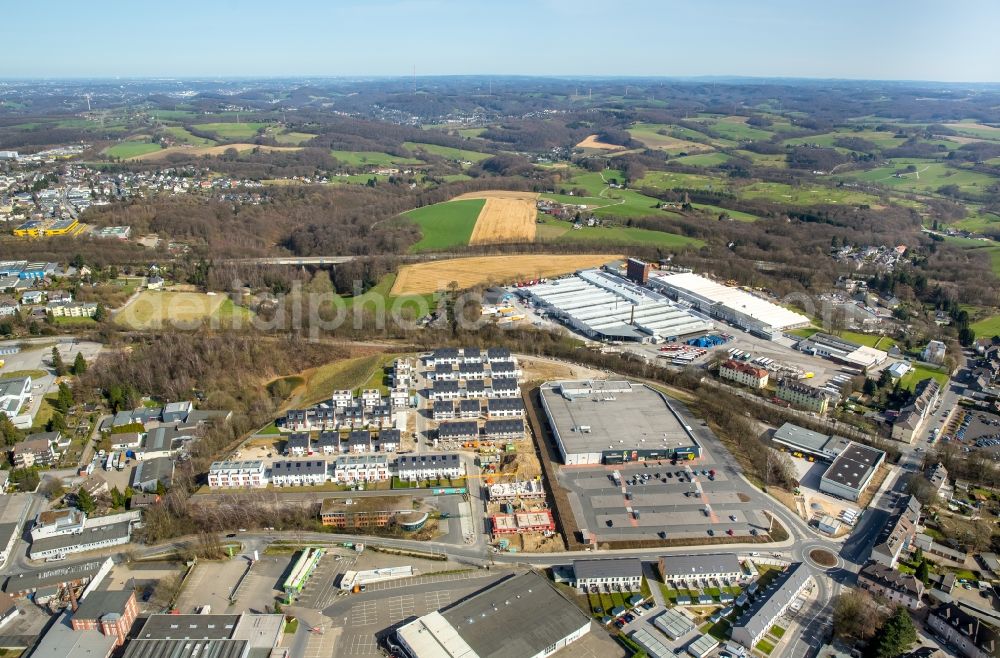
231, 131
880, 342
765, 647
34, 374
777, 631
910, 379
371, 158
379, 296
624, 236
987, 327
447, 152
346, 374
126, 150
445, 225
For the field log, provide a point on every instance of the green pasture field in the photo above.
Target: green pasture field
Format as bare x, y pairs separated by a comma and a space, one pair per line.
978, 220
882, 139
987, 327
445, 225
735, 128
231, 130
928, 177
614, 235
773, 161
127, 150
371, 158
970, 129
735, 214
181, 134
649, 134
668, 180
806, 195
173, 115
292, 138
447, 151
703, 159
471, 132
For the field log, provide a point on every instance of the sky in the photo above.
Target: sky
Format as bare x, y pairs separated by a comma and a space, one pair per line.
941, 40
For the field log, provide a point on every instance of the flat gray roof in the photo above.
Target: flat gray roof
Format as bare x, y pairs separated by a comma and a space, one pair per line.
674, 623
120, 530
854, 466
695, 566
637, 418
808, 440
179, 627
630, 567
503, 621
30, 580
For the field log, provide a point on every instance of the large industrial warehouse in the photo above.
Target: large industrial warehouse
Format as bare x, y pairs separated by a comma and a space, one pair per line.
500, 622
607, 307
612, 422
732, 305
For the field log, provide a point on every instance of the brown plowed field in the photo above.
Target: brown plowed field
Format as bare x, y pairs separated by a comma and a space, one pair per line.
423, 278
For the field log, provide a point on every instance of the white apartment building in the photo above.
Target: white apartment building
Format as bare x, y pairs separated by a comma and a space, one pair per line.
237, 475
354, 469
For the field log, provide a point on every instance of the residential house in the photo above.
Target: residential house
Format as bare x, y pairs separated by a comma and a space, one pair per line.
503, 429
237, 475
505, 388
505, 408
388, 440
32, 452
897, 534
298, 473
15, 393
744, 374
895, 586
328, 443
802, 396
937, 475
298, 445
414, 468
458, 431
973, 636
621, 574
469, 409
934, 352
913, 416
359, 441
355, 469
443, 410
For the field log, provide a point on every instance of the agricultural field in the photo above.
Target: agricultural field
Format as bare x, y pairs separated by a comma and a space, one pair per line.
154, 309
676, 140
447, 152
231, 130
926, 176
445, 225
735, 128
774, 161
669, 180
703, 159
881, 138
505, 218
734, 214
199, 151
973, 129
181, 134
128, 150
422, 278
591, 142
371, 158
806, 195
292, 138
619, 236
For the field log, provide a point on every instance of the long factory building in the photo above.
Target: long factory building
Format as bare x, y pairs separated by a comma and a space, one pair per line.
608, 307
733, 305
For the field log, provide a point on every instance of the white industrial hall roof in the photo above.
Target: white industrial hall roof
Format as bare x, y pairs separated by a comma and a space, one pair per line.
733, 298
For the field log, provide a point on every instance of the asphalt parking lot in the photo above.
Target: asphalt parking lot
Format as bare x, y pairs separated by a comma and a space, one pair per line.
37, 357
362, 618
212, 583
665, 504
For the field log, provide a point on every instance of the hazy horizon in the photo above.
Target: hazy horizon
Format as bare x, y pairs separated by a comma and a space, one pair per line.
780, 39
